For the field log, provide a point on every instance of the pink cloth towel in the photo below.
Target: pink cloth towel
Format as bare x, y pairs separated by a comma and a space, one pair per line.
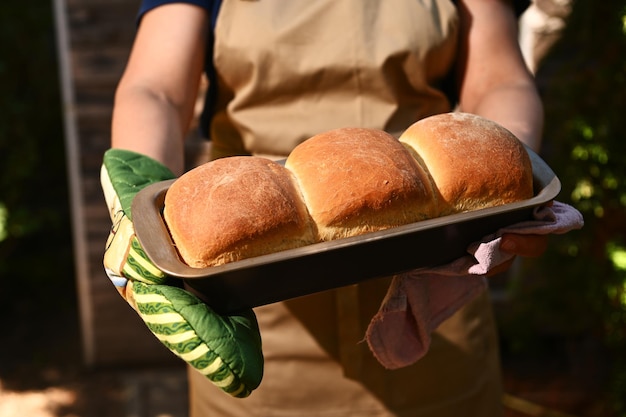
417, 302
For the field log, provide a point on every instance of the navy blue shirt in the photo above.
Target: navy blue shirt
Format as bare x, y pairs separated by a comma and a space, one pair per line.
212, 6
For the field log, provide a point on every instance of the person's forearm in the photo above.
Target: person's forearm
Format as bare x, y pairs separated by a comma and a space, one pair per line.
154, 102
145, 123
493, 79
516, 107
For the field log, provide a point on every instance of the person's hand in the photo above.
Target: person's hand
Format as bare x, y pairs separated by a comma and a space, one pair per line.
527, 246
226, 349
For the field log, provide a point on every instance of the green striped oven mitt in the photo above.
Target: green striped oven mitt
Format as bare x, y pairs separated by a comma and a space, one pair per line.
226, 349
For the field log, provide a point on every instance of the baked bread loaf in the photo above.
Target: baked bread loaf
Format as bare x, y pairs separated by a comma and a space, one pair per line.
357, 180
235, 208
473, 162
344, 182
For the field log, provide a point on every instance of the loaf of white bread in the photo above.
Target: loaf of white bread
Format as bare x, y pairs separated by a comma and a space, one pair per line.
342, 183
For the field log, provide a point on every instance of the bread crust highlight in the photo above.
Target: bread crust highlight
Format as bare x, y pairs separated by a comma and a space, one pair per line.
343, 183
357, 180
236, 208
474, 162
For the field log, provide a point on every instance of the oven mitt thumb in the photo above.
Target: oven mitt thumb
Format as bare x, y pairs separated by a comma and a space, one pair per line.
226, 349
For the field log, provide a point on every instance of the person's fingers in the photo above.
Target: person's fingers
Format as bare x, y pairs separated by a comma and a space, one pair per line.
529, 246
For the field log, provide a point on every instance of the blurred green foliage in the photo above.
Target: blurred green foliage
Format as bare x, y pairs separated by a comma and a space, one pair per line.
35, 236
577, 292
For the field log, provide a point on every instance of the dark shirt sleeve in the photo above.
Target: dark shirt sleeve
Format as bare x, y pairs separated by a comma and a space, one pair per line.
147, 5
519, 6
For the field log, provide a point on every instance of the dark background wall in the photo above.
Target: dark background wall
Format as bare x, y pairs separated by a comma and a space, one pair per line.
55, 110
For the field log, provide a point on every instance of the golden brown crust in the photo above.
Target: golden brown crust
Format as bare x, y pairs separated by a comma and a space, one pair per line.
235, 208
343, 183
357, 180
474, 162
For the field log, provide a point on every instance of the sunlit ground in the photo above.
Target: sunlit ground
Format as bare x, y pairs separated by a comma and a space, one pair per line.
46, 403
106, 393
42, 372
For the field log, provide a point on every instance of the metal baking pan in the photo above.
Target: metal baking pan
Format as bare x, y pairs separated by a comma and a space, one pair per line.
321, 266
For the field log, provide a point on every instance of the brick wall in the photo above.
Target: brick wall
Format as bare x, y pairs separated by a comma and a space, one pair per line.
94, 41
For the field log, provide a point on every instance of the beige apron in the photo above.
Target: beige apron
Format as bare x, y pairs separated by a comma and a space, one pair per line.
288, 69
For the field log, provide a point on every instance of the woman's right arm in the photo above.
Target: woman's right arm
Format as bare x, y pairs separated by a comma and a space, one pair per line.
155, 99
